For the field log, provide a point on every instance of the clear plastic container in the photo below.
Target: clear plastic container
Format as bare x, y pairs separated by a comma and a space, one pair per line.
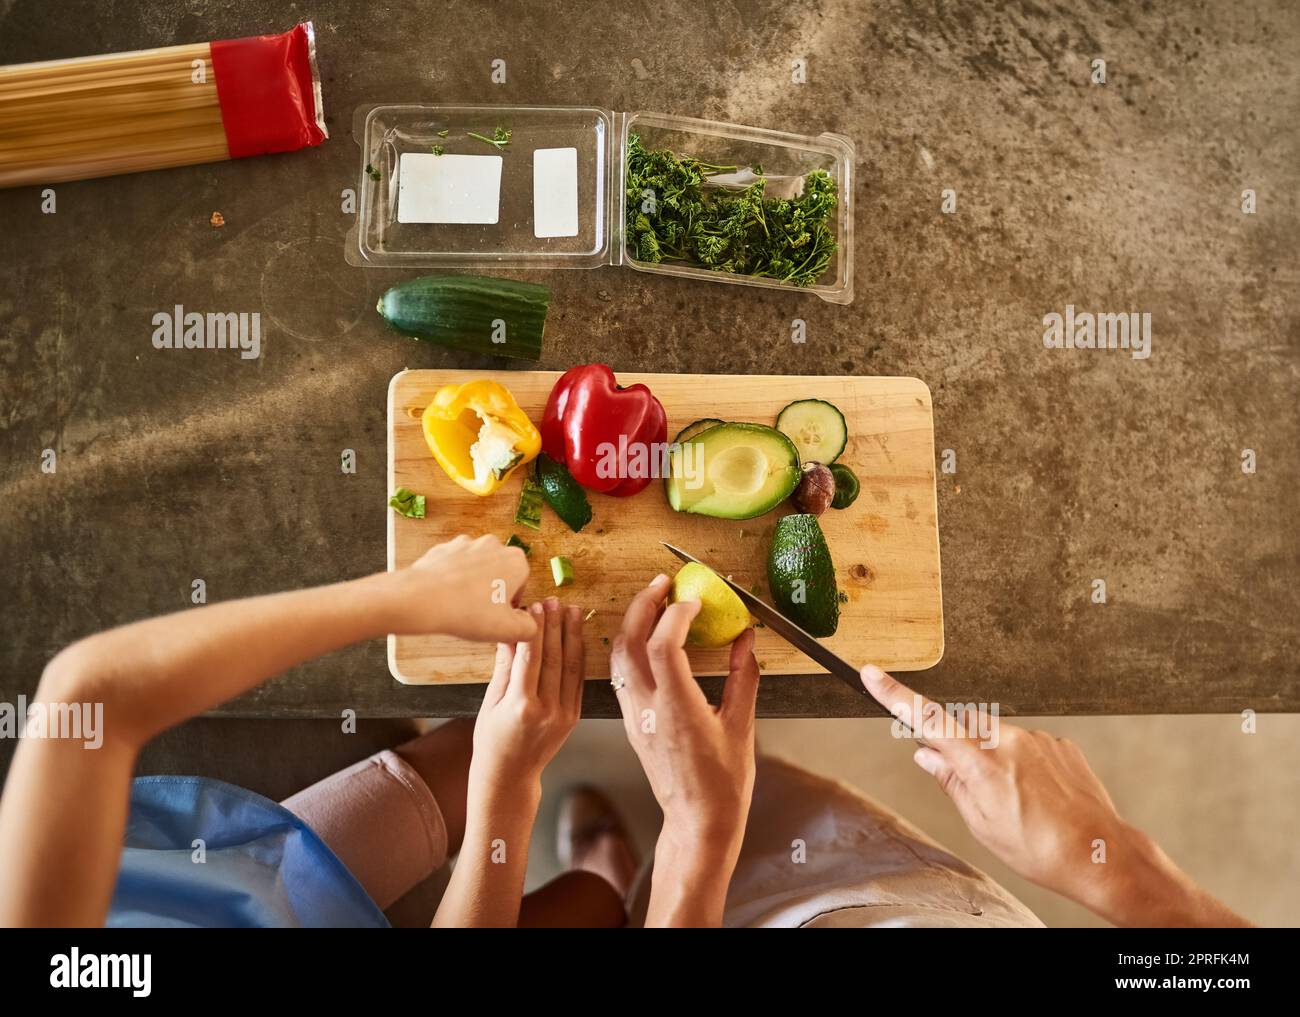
386, 132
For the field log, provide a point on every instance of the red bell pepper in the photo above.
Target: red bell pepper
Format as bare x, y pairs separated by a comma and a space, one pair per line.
608, 436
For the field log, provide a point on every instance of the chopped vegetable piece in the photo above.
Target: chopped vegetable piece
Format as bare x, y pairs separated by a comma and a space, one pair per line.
529, 512
846, 486
589, 615
499, 140
438, 150
562, 570
564, 494
514, 541
443, 133
407, 503
478, 434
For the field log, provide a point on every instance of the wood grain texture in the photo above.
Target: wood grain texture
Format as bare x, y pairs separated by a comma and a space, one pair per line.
885, 546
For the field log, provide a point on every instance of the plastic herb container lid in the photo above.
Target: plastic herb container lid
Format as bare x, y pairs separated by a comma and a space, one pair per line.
599, 143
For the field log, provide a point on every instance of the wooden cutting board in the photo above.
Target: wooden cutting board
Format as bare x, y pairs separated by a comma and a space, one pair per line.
885, 546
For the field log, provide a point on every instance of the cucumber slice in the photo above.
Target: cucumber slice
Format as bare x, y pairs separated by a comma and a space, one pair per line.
695, 427
514, 541
817, 429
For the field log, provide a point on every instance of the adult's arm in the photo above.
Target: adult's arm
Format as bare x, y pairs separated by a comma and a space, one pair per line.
1032, 799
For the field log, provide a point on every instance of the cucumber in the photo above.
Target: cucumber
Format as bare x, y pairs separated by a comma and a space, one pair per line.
817, 429
564, 494
498, 317
695, 427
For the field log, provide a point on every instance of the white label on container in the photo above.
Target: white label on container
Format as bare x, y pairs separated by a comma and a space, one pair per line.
449, 188
555, 192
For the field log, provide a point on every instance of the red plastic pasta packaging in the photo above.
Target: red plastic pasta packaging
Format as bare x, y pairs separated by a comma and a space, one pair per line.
269, 90
152, 109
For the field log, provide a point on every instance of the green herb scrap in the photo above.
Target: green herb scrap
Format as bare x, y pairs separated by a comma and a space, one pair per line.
744, 232
371, 172
443, 133
499, 140
437, 150
407, 503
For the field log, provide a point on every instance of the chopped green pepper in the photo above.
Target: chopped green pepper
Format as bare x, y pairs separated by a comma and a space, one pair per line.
407, 503
529, 512
562, 570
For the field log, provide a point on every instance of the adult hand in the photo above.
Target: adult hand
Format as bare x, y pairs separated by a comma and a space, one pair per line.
532, 702
1034, 802
465, 588
699, 760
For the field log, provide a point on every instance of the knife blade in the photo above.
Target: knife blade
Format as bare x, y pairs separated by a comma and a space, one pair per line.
785, 628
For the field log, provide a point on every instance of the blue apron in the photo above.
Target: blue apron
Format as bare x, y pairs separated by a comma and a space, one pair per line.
259, 865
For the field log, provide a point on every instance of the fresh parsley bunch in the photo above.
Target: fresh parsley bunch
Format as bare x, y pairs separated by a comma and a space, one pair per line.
743, 232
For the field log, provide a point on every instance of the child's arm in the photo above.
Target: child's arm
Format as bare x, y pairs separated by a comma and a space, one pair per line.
529, 709
63, 814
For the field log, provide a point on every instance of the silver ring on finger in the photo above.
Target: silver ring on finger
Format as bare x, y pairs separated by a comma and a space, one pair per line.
617, 681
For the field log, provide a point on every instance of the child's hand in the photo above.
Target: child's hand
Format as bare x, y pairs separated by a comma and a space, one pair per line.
532, 703
465, 588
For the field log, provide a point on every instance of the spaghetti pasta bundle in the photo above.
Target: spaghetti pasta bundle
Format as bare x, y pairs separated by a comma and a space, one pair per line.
153, 109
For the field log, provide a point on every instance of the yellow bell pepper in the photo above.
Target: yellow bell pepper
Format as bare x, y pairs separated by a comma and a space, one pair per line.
479, 435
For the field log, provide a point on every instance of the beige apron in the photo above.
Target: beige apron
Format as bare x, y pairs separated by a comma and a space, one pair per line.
819, 854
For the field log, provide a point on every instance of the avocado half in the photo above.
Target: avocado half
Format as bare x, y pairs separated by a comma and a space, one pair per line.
732, 471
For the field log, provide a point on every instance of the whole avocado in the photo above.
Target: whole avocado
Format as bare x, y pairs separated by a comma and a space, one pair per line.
801, 575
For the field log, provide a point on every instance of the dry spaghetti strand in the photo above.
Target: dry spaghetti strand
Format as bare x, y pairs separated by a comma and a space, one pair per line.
96, 116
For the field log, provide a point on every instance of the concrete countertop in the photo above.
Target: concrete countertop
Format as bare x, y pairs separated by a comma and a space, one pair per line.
1071, 465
